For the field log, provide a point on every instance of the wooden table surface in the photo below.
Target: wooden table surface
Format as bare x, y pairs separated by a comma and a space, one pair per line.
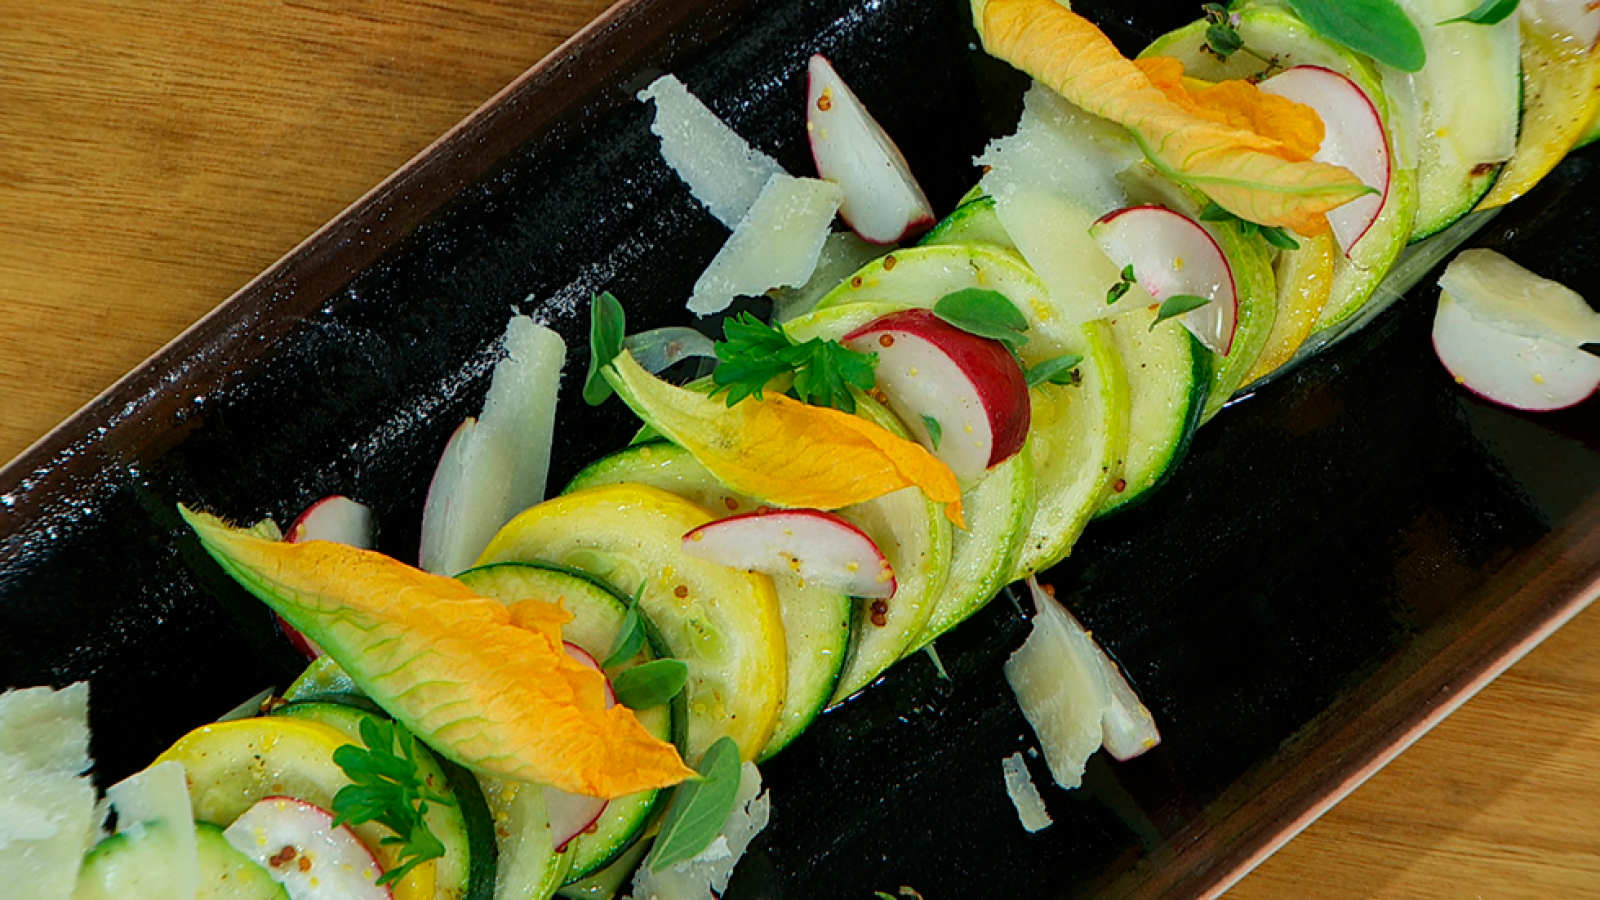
157, 154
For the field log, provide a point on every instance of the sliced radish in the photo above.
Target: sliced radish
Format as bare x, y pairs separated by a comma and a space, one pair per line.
972, 387
572, 814
1172, 254
882, 200
338, 519
298, 844
335, 518
820, 546
1354, 138
1512, 337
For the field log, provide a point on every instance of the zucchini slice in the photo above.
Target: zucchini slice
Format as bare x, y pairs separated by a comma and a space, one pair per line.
816, 620
724, 624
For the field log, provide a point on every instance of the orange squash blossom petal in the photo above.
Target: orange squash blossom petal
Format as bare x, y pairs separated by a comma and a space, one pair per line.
488, 686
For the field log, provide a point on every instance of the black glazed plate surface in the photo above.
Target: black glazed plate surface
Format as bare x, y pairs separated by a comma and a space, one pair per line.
1337, 548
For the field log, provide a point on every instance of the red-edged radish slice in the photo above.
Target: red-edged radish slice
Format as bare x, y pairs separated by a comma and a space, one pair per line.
882, 200
298, 844
338, 519
1513, 337
335, 518
1355, 139
972, 387
572, 814
820, 546
1172, 254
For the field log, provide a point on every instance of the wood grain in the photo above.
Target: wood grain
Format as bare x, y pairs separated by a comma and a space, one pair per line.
157, 154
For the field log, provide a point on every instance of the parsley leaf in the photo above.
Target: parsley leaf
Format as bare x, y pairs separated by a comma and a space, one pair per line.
1489, 12
607, 329
1378, 28
754, 353
1177, 305
387, 789
985, 313
699, 808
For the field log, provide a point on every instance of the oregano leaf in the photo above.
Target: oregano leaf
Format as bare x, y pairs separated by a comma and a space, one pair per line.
650, 684
1177, 305
985, 313
1489, 12
699, 808
607, 329
935, 430
1378, 28
1057, 370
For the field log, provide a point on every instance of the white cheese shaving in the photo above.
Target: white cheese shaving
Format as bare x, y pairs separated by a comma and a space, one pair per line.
776, 245
47, 805
1024, 794
722, 171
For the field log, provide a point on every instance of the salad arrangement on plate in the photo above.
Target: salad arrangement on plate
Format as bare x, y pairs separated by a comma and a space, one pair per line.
577, 682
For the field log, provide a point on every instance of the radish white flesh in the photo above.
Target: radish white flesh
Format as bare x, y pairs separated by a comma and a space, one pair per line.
882, 200
820, 546
338, 519
301, 849
776, 244
1512, 337
571, 814
1355, 139
1172, 254
723, 172
1533, 374
971, 386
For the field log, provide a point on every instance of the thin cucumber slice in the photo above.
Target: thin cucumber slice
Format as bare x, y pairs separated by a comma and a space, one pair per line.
973, 222
724, 624
323, 679
227, 874
1169, 377
1468, 100
597, 614
1276, 33
999, 508
140, 864
1080, 431
453, 871
816, 619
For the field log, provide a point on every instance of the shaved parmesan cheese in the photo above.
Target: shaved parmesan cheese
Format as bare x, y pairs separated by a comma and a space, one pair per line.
776, 245
158, 798
47, 807
496, 465
706, 876
1024, 794
723, 172
1499, 293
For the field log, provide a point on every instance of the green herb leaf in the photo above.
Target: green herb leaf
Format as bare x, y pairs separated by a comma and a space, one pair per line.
1121, 288
387, 788
983, 313
1177, 305
1057, 370
630, 635
1378, 28
935, 430
1489, 12
699, 808
1222, 34
1280, 238
650, 684
1277, 237
754, 353
607, 329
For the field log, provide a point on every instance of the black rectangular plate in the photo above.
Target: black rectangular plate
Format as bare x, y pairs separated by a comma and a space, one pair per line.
1342, 557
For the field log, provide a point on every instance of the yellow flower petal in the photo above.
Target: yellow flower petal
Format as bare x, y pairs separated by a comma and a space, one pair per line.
487, 686
1250, 174
785, 452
